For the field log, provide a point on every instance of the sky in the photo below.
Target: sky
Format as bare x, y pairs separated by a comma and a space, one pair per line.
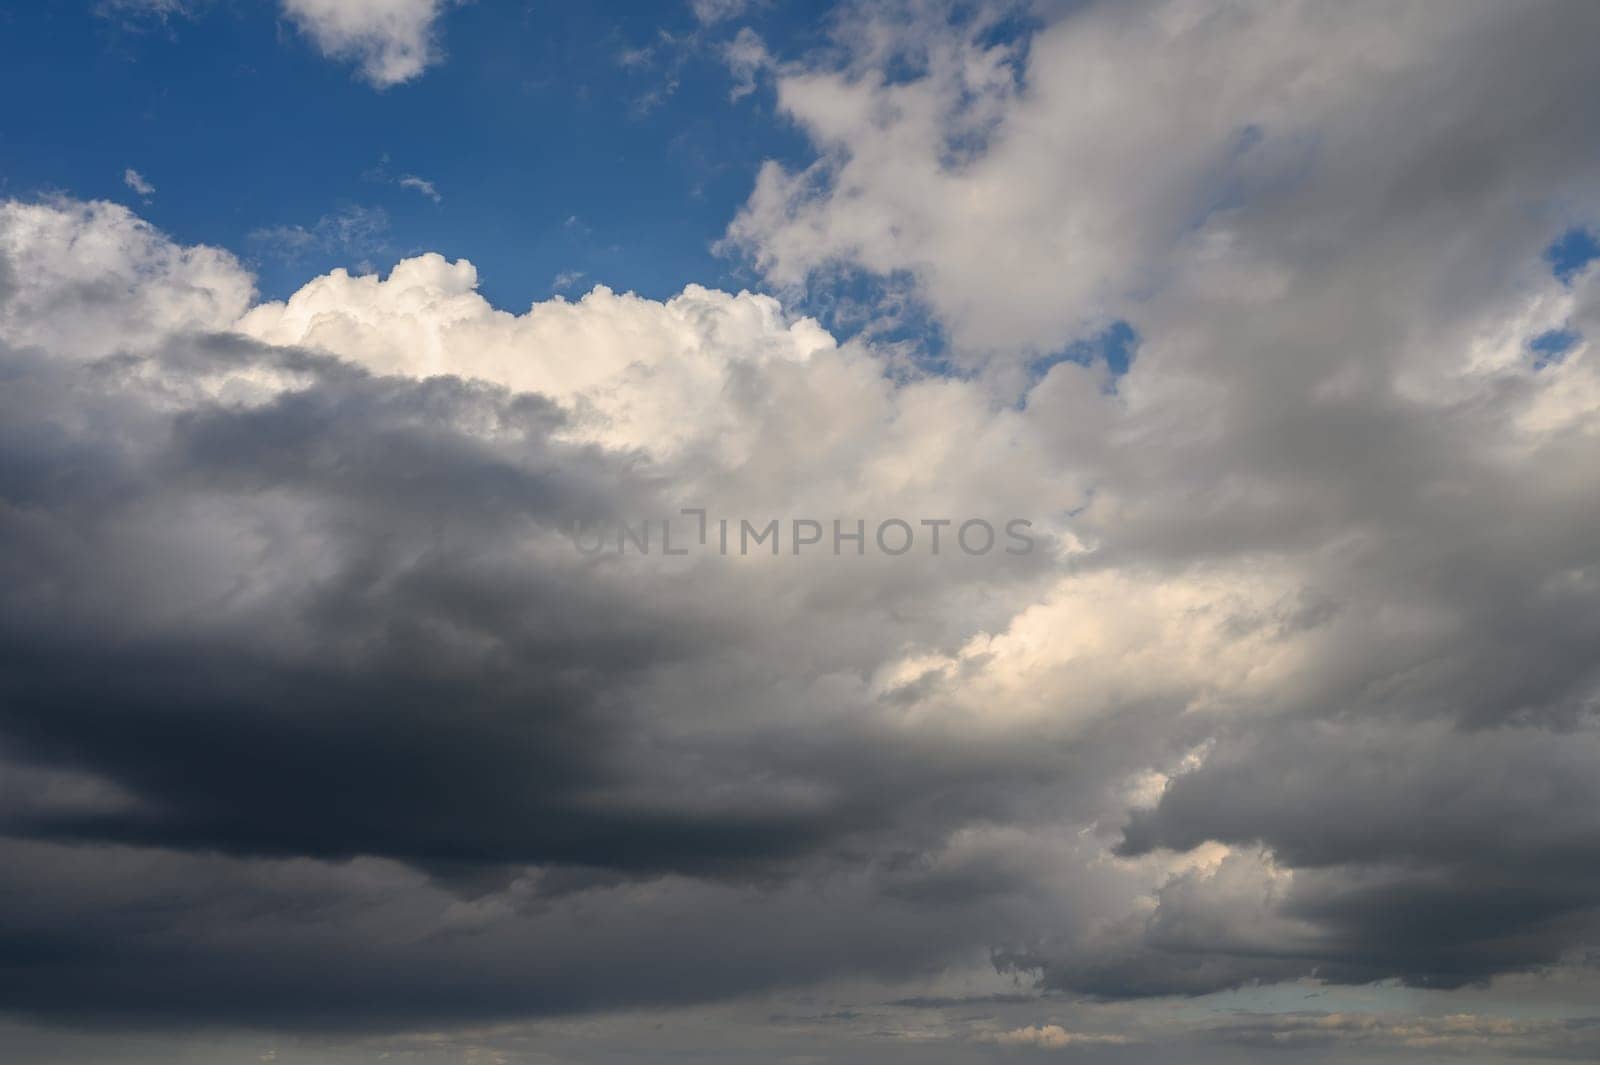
736, 531
555, 139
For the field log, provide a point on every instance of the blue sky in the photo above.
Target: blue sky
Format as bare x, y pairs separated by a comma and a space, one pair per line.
551, 150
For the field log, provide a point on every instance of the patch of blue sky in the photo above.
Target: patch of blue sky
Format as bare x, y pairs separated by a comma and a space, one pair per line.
1570, 253
1551, 346
885, 310
1114, 347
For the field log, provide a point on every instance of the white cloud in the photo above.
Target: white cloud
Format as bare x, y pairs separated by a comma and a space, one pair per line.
90, 279
638, 372
711, 11
135, 181
391, 41
746, 56
411, 181
1034, 195
355, 231
1215, 640
1054, 1037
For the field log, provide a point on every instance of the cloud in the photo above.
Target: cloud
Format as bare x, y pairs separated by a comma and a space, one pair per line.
1053, 1037
707, 12
301, 665
746, 56
390, 41
265, 496
411, 181
132, 179
86, 280
1455, 1033
643, 379
1029, 210
135, 14
355, 231
382, 173
1235, 237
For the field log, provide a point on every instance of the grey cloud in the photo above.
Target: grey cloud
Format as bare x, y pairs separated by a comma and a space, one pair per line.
411, 670
312, 717
271, 619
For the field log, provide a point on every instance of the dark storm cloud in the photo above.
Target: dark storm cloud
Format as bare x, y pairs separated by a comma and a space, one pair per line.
1439, 855
414, 686
116, 935
258, 648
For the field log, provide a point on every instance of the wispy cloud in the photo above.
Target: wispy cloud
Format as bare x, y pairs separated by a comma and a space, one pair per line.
384, 174
711, 11
422, 185
135, 181
354, 231
138, 14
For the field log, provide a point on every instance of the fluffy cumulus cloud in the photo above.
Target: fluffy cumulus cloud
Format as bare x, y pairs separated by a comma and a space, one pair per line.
313, 714
634, 372
88, 280
1035, 184
390, 41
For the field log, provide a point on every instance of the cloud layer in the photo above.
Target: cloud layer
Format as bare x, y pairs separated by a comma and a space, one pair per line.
313, 716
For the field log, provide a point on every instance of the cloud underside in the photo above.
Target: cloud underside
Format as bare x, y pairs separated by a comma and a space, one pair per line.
312, 716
